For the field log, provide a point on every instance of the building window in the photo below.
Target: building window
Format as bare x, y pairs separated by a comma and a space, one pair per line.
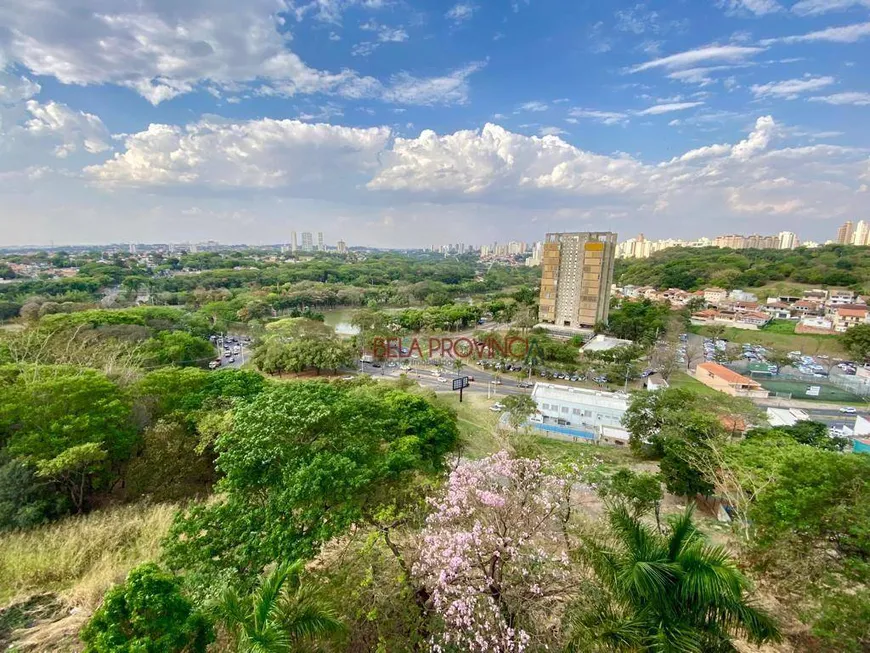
577, 411
564, 409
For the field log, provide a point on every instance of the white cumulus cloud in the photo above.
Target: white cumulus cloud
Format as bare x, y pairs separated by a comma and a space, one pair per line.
267, 153
74, 129
163, 49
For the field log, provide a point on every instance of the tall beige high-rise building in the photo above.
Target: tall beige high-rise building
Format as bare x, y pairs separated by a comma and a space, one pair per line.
294, 246
576, 274
862, 234
845, 233
341, 247
787, 240
307, 242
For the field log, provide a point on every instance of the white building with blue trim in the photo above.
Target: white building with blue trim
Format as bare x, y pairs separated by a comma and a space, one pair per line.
580, 412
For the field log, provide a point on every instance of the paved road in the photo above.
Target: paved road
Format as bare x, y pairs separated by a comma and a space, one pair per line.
238, 359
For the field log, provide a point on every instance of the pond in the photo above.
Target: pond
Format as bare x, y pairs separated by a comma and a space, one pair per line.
340, 320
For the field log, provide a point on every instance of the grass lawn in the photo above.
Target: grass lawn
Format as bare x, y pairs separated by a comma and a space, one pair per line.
477, 423
785, 327
683, 380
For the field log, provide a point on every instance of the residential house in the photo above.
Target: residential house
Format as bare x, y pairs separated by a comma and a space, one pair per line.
841, 298
747, 320
778, 311
845, 317
742, 296
715, 295
675, 296
754, 318
731, 383
807, 307
817, 295
815, 324
629, 291
745, 307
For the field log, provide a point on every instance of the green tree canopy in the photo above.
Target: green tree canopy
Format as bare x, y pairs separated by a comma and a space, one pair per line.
857, 341
302, 462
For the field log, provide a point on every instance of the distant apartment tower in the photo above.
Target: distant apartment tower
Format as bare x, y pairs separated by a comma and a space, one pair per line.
307, 241
576, 274
845, 233
294, 246
861, 236
787, 240
341, 246
320, 247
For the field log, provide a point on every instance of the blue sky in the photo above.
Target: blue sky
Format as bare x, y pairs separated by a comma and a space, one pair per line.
395, 123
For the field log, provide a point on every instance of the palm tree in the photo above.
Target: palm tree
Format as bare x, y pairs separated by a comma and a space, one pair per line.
458, 365
671, 592
279, 615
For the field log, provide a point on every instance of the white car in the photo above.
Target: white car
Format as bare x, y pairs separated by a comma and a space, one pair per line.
231, 360
848, 409
347, 378
441, 379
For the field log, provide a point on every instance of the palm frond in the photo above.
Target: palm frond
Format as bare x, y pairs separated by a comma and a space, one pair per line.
266, 596
232, 609
743, 617
682, 532
709, 576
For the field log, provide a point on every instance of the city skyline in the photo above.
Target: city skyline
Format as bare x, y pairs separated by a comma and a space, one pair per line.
398, 125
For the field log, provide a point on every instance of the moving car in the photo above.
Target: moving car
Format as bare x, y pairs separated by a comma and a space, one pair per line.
848, 410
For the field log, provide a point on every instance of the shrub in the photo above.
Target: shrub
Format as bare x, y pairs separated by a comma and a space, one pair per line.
147, 614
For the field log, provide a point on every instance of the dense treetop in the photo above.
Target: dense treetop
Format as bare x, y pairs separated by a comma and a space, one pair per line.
697, 268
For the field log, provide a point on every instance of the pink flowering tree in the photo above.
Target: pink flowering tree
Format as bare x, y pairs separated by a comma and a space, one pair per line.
494, 556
